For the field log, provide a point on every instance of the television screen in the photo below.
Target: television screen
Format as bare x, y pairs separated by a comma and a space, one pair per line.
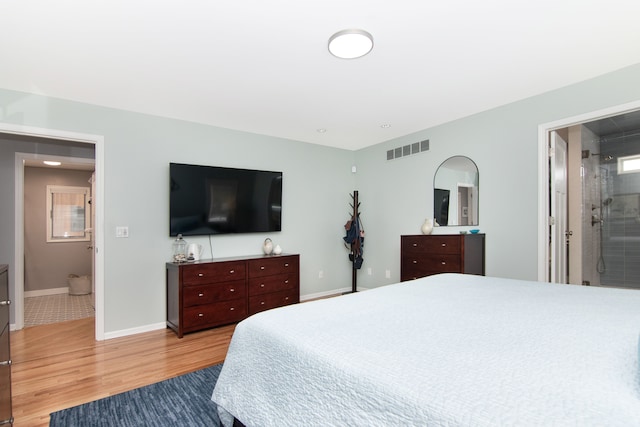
215, 200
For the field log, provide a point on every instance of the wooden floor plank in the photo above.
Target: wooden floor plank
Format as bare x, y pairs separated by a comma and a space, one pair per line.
61, 365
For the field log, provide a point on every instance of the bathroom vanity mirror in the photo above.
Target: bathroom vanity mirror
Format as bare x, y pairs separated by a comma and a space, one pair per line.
455, 192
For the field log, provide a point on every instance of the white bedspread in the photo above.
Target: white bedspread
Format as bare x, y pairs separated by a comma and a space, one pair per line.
447, 350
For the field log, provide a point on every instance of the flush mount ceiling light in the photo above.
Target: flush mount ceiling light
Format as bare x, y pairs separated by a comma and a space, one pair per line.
51, 163
350, 44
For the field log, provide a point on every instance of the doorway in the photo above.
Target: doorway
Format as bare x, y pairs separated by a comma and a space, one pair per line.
602, 233
98, 229
58, 256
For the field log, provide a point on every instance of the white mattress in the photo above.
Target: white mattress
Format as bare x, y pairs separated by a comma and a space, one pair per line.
447, 350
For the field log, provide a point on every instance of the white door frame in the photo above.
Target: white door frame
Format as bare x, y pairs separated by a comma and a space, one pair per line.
98, 141
543, 177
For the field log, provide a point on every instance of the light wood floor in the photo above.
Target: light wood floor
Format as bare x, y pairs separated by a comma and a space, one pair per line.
61, 365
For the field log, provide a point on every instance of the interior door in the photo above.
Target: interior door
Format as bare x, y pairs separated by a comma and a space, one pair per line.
558, 209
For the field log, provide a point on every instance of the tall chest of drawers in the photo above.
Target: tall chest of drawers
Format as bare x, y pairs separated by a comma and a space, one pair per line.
424, 255
216, 292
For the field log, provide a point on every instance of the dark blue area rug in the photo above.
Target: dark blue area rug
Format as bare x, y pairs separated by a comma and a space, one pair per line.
180, 401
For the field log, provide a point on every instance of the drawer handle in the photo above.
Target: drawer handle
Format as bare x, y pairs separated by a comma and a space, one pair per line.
286, 264
200, 294
444, 244
415, 262
262, 267
415, 244
232, 290
444, 263
286, 298
6, 363
261, 302
200, 315
262, 285
200, 274
7, 302
286, 281
232, 308
231, 271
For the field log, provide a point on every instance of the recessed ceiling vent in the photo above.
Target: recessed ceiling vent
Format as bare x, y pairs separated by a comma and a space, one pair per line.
408, 150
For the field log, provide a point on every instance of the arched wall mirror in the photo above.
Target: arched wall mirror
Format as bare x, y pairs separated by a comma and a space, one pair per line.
455, 192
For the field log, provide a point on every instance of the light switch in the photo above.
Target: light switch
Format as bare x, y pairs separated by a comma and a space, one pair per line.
122, 231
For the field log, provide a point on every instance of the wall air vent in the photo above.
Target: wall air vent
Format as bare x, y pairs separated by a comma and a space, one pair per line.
408, 150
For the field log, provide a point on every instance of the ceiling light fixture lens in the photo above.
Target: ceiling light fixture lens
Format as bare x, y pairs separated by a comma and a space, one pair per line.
350, 44
51, 163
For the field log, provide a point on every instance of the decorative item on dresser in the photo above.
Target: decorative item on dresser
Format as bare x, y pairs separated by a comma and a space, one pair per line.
217, 292
424, 255
6, 417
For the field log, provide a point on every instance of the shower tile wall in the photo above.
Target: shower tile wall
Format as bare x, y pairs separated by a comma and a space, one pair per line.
621, 213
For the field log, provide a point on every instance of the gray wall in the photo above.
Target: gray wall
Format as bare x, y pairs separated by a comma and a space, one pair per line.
396, 196
137, 151
46, 264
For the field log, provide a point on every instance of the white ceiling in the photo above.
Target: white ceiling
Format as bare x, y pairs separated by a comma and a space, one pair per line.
263, 66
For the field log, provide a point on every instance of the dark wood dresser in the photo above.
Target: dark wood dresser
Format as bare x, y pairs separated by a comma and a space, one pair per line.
424, 255
210, 293
6, 417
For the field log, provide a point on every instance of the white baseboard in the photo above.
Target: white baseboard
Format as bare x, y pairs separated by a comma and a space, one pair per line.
133, 331
44, 292
332, 293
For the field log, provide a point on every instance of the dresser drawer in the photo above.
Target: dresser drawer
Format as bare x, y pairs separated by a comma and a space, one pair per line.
264, 302
442, 263
431, 244
268, 266
206, 294
267, 284
414, 271
218, 313
197, 274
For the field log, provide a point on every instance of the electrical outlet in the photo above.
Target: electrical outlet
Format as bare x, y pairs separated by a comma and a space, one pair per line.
387, 274
122, 232
320, 274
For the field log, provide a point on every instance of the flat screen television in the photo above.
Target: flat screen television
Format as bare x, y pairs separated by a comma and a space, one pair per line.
206, 200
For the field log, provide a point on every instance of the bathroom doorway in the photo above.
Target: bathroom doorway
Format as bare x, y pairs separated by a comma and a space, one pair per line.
12, 142
58, 256
603, 201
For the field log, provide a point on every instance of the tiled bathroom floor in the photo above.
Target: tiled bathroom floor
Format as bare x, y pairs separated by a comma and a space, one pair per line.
57, 308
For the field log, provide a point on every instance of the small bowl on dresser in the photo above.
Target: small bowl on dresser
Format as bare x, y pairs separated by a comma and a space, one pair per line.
474, 231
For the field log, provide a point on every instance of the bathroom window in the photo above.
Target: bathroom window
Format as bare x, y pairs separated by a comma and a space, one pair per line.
67, 213
629, 164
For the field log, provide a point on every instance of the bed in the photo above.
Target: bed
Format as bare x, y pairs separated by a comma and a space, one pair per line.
445, 350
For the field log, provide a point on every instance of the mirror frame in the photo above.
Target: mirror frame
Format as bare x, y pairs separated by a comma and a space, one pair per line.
456, 185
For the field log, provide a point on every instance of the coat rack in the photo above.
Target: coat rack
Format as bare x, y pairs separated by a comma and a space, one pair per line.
355, 239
